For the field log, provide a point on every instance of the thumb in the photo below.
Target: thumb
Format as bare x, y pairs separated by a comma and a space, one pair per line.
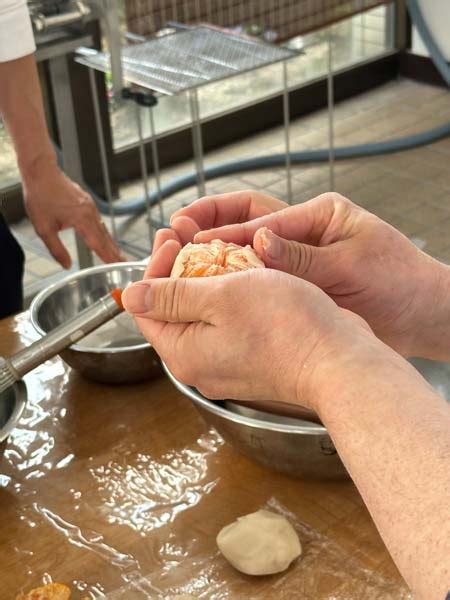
171, 300
308, 262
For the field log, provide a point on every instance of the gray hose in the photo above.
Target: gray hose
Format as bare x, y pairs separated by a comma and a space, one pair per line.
137, 205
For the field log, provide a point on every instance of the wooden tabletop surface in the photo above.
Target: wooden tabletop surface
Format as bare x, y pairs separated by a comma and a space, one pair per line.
122, 490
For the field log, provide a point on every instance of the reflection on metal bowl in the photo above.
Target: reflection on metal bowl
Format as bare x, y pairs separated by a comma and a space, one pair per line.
436, 373
295, 447
116, 352
12, 403
292, 446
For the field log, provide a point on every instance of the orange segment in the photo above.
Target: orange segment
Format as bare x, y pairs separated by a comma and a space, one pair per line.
215, 258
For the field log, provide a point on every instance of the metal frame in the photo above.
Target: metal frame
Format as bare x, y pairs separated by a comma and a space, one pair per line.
59, 75
330, 98
102, 146
286, 121
110, 17
144, 172
97, 60
197, 141
138, 71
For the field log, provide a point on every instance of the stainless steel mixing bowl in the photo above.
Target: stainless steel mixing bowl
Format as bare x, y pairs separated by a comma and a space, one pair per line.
126, 358
12, 403
298, 448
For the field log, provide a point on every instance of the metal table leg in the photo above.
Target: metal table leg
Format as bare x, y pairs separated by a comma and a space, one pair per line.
110, 18
197, 141
103, 157
155, 159
144, 171
330, 93
59, 74
286, 118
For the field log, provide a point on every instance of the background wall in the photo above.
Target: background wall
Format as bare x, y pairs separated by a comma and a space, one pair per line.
437, 15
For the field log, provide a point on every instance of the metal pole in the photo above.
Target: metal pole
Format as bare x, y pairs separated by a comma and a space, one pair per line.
400, 20
389, 24
286, 132
110, 17
197, 141
59, 75
156, 169
102, 147
330, 92
144, 171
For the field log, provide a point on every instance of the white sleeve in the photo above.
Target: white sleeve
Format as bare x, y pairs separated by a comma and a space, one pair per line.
16, 33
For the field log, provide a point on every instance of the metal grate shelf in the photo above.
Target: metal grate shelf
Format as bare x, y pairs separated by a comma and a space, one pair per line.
188, 59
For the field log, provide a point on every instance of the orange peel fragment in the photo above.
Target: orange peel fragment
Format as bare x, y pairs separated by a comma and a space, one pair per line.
50, 591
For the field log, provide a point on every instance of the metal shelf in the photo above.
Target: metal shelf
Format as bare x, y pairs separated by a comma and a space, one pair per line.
188, 59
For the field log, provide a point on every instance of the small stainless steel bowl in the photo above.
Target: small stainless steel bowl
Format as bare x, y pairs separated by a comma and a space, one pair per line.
123, 359
12, 403
292, 446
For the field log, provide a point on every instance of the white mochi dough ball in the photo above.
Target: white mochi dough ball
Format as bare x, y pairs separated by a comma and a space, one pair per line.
261, 543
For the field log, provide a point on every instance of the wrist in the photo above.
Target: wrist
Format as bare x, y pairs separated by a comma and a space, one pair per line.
34, 167
343, 365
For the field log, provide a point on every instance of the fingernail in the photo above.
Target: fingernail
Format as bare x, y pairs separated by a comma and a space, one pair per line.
137, 298
271, 244
173, 217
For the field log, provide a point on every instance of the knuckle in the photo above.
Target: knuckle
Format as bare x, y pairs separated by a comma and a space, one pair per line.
341, 202
300, 257
171, 299
43, 230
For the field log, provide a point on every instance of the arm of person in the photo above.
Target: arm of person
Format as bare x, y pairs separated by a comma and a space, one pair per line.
53, 201
392, 432
389, 426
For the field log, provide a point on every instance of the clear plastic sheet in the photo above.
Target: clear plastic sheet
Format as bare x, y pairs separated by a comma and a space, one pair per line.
119, 492
324, 571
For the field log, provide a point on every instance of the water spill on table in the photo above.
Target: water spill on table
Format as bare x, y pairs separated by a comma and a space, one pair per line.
120, 491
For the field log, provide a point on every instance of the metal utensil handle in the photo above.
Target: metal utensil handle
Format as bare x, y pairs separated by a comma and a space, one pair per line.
65, 335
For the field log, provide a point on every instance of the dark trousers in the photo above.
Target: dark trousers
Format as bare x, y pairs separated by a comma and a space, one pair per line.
11, 272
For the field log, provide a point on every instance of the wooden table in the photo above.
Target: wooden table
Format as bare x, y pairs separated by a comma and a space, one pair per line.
122, 490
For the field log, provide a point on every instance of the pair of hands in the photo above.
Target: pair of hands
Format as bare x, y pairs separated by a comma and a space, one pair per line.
273, 333
54, 202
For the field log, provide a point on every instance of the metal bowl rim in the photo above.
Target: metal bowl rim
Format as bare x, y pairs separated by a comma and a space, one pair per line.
39, 299
20, 397
211, 406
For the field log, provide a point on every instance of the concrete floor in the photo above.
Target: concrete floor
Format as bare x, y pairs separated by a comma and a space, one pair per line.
410, 190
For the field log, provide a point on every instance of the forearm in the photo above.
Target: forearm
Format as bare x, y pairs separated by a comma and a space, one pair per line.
392, 432
22, 110
432, 339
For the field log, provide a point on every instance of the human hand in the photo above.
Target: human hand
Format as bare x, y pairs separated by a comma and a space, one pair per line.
361, 262
209, 212
215, 333
221, 209
53, 203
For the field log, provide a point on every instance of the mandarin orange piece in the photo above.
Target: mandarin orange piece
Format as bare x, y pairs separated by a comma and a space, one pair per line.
50, 591
214, 258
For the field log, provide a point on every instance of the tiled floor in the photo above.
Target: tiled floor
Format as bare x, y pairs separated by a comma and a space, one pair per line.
410, 190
